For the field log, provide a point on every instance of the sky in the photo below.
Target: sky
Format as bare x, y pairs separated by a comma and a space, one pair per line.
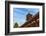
19, 14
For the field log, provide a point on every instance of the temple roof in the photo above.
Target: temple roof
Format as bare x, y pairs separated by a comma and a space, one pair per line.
34, 19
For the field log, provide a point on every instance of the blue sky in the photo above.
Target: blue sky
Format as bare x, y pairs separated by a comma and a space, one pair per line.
19, 14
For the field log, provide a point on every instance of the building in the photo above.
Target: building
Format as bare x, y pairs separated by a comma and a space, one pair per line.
32, 21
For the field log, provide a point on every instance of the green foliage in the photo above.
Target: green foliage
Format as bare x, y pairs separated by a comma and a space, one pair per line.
16, 25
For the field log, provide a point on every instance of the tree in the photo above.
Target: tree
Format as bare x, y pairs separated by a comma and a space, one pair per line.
16, 25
